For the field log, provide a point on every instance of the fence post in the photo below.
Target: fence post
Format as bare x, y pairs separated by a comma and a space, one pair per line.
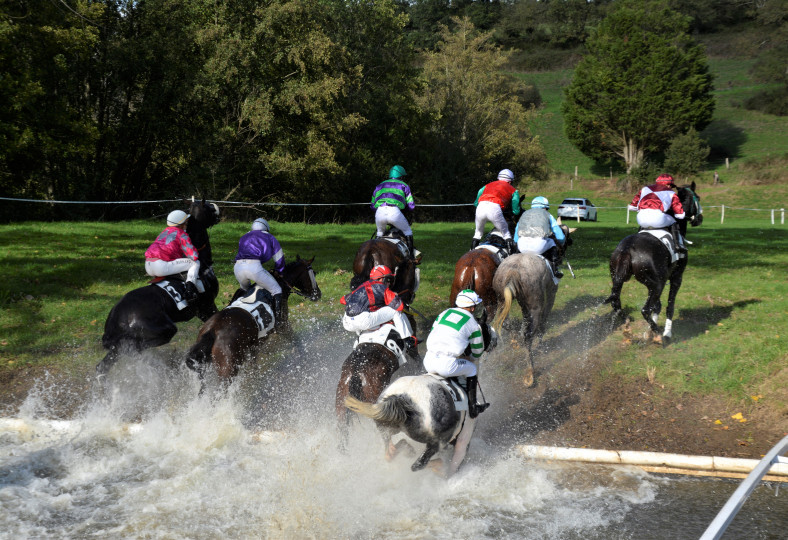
727, 164
722, 217
627, 215
772, 216
782, 216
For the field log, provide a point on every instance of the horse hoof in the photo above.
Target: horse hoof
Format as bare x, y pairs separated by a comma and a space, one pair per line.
666, 341
528, 380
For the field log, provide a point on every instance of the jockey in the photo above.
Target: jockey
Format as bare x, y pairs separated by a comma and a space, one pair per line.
373, 304
256, 247
652, 203
539, 232
389, 199
491, 203
172, 252
456, 333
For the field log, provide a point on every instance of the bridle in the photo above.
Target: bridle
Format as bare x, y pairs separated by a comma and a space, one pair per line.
315, 289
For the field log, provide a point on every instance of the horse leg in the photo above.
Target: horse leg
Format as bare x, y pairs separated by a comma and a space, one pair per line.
421, 462
528, 333
675, 283
653, 306
461, 445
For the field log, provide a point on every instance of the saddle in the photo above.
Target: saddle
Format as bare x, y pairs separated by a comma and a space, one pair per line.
386, 336
496, 245
455, 390
666, 237
258, 303
395, 236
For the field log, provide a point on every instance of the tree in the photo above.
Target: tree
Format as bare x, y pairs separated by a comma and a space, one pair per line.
686, 155
479, 122
772, 64
642, 82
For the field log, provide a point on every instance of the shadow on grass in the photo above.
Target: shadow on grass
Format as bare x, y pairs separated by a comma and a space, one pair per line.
697, 321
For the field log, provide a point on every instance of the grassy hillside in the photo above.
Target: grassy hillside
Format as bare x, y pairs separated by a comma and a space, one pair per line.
754, 143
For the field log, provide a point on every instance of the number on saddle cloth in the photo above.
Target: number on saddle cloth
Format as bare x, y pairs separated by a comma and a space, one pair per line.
258, 304
175, 289
386, 336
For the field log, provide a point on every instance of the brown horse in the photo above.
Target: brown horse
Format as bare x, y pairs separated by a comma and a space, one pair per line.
365, 373
229, 336
379, 251
475, 270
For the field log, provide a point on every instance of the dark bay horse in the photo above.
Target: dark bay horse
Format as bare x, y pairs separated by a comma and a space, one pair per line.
230, 335
146, 317
365, 373
380, 251
475, 270
643, 256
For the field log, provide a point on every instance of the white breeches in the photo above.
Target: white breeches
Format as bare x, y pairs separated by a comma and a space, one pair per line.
371, 320
391, 215
248, 270
159, 268
489, 211
448, 366
654, 218
528, 244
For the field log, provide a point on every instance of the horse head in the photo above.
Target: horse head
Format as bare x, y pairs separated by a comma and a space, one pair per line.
690, 201
299, 277
205, 213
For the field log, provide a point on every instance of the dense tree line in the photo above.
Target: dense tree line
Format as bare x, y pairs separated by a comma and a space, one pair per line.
307, 100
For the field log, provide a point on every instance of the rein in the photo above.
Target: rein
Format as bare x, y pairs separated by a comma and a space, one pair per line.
297, 291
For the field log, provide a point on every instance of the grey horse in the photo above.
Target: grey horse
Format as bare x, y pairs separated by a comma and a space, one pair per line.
527, 278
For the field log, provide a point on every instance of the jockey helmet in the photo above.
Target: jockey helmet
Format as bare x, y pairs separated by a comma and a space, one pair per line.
380, 272
260, 224
540, 202
665, 179
467, 298
397, 172
176, 218
506, 175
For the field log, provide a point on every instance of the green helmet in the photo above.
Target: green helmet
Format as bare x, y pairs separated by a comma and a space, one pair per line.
397, 172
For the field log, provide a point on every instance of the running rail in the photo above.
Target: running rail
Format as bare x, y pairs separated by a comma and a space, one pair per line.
734, 504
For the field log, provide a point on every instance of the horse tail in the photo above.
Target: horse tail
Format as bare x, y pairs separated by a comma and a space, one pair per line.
392, 411
620, 271
503, 309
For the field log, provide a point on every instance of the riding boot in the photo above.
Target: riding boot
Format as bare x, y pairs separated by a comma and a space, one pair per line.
474, 409
411, 348
409, 242
277, 309
555, 262
510, 246
677, 240
475, 243
191, 291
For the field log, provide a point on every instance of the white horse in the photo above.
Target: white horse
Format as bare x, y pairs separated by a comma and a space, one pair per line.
422, 408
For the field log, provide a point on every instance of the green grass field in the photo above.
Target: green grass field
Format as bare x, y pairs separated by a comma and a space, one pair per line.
58, 281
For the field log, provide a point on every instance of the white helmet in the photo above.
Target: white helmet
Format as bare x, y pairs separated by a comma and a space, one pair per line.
467, 298
507, 175
260, 224
176, 218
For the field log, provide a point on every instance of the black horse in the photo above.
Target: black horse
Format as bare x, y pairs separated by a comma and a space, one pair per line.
146, 317
645, 257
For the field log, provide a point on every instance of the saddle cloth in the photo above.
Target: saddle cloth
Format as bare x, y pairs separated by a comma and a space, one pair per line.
667, 240
396, 237
258, 305
176, 290
384, 335
455, 390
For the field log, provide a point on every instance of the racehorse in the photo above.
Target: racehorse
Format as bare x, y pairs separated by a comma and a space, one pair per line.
645, 257
228, 336
475, 270
526, 277
146, 317
381, 251
422, 408
365, 373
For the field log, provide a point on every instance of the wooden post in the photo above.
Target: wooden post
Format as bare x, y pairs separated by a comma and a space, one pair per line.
627, 215
772, 216
727, 164
722, 217
782, 216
